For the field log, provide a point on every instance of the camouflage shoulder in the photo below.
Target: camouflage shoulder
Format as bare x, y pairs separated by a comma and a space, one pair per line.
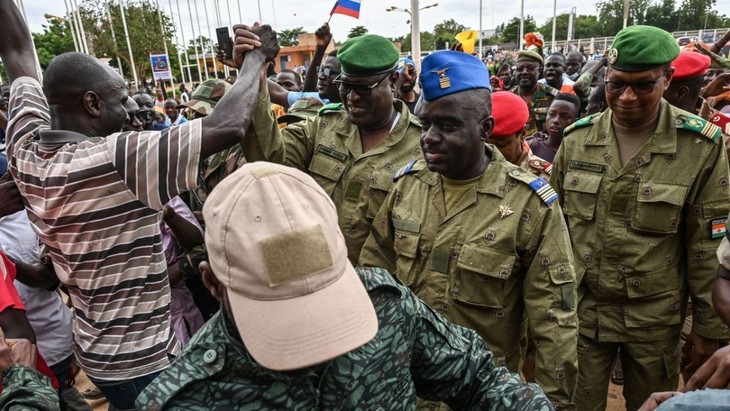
538, 184
330, 108
374, 278
698, 125
551, 90
410, 168
585, 121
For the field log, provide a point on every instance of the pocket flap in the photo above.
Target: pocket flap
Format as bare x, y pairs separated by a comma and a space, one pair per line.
660, 192
406, 244
652, 283
582, 182
326, 167
486, 261
381, 180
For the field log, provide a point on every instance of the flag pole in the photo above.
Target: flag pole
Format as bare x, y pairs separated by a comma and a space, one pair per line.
182, 35
164, 41
195, 45
333, 11
179, 56
129, 45
200, 38
210, 40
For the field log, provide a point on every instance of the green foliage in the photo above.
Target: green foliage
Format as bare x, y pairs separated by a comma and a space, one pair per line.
663, 15
145, 35
510, 32
428, 42
357, 31
611, 14
445, 32
697, 14
54, 40
290, 37
583, 27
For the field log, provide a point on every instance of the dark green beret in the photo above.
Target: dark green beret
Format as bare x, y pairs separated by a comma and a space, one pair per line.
530, 55
367, 55
641, 48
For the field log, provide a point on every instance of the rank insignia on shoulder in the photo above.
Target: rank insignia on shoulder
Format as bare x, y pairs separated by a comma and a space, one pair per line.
585, 121
543, 189
718, 227
407, 169
329, 108
701, 126
721, 121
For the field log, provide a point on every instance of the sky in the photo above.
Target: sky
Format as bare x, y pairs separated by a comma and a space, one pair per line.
310, 14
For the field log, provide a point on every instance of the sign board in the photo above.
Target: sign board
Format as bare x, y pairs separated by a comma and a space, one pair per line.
161, 67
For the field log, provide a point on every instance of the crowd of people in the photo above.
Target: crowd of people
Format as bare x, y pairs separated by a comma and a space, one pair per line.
362, 235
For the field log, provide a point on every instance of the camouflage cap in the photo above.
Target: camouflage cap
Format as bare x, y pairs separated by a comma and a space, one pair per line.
204, 98
301, 110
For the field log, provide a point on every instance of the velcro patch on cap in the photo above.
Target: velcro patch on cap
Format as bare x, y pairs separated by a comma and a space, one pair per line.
310, 247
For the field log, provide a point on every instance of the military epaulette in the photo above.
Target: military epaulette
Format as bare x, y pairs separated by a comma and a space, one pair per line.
551, 90
585, 121
722, 121
538, 184
548, 168
330, 108
411, 167
699, 125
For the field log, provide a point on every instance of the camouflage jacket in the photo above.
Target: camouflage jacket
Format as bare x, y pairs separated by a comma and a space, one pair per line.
415, 352
538, 107
500, 254
534, 164
644, 233
26, 389
328, 147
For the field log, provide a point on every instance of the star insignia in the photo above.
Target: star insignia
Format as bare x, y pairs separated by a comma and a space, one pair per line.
504, 211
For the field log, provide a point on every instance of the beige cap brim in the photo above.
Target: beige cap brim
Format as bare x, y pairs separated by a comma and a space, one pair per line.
300, 332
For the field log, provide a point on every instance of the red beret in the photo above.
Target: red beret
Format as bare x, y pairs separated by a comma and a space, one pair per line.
510, 113
690, 64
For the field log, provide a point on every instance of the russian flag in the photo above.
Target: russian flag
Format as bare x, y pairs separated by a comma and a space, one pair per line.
347, 7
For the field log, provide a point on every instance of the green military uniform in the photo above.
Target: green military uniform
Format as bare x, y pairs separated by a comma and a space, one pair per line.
26, 389
643, 241
501, 252
534, 164
538, 107
414, 351
328, 147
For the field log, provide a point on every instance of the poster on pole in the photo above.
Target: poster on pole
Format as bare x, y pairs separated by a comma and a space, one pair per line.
161, 67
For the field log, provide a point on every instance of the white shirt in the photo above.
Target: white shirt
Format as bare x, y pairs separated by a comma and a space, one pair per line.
48, 315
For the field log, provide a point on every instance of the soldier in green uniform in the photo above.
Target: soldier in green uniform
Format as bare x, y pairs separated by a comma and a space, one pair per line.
479, 239
536, 95
302, 329
644, 188
510, 115
352, 148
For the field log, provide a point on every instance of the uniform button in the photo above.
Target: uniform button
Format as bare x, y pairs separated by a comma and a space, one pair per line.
210, 356
637, 282
515, 172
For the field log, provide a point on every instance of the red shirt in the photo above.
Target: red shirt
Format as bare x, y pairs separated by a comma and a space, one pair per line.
9, 298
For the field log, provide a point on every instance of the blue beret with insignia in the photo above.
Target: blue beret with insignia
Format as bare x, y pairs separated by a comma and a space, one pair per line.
448, 72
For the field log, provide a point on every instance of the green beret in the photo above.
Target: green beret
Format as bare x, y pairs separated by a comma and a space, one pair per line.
641, 48
367, 55
530, 55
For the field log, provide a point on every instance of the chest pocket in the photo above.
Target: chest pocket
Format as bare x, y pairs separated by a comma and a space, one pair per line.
481, 275
380, 184
326, 171
405, 245
581, 194
658, 208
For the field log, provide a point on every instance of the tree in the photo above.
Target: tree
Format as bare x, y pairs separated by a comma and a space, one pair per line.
357, 31
694, 14
510, 32
428, 42
54, 40
145, 34
583, 27
290, 37
662, 15
611, 14
445, 32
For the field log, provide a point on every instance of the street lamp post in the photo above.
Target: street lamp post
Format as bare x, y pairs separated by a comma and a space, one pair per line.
415, 28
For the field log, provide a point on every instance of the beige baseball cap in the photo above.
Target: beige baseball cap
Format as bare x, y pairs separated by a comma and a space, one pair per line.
274, 242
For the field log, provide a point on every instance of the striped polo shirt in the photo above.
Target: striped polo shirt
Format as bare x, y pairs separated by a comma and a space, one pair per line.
95, 203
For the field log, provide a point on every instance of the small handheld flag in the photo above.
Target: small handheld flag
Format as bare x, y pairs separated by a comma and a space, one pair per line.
347, 7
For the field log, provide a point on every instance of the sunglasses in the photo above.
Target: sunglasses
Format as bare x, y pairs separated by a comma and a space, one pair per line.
640, 87
141, 115
362, 90
326, 72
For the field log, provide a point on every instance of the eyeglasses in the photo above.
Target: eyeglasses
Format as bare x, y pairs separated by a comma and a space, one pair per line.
529, 69
141, 115
361, 89
640, 87
326, 72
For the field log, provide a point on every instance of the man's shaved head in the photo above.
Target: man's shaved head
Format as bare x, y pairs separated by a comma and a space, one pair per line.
62, 82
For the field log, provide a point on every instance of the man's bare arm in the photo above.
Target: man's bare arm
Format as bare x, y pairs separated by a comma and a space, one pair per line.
323, 38
16, 48
227, 124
